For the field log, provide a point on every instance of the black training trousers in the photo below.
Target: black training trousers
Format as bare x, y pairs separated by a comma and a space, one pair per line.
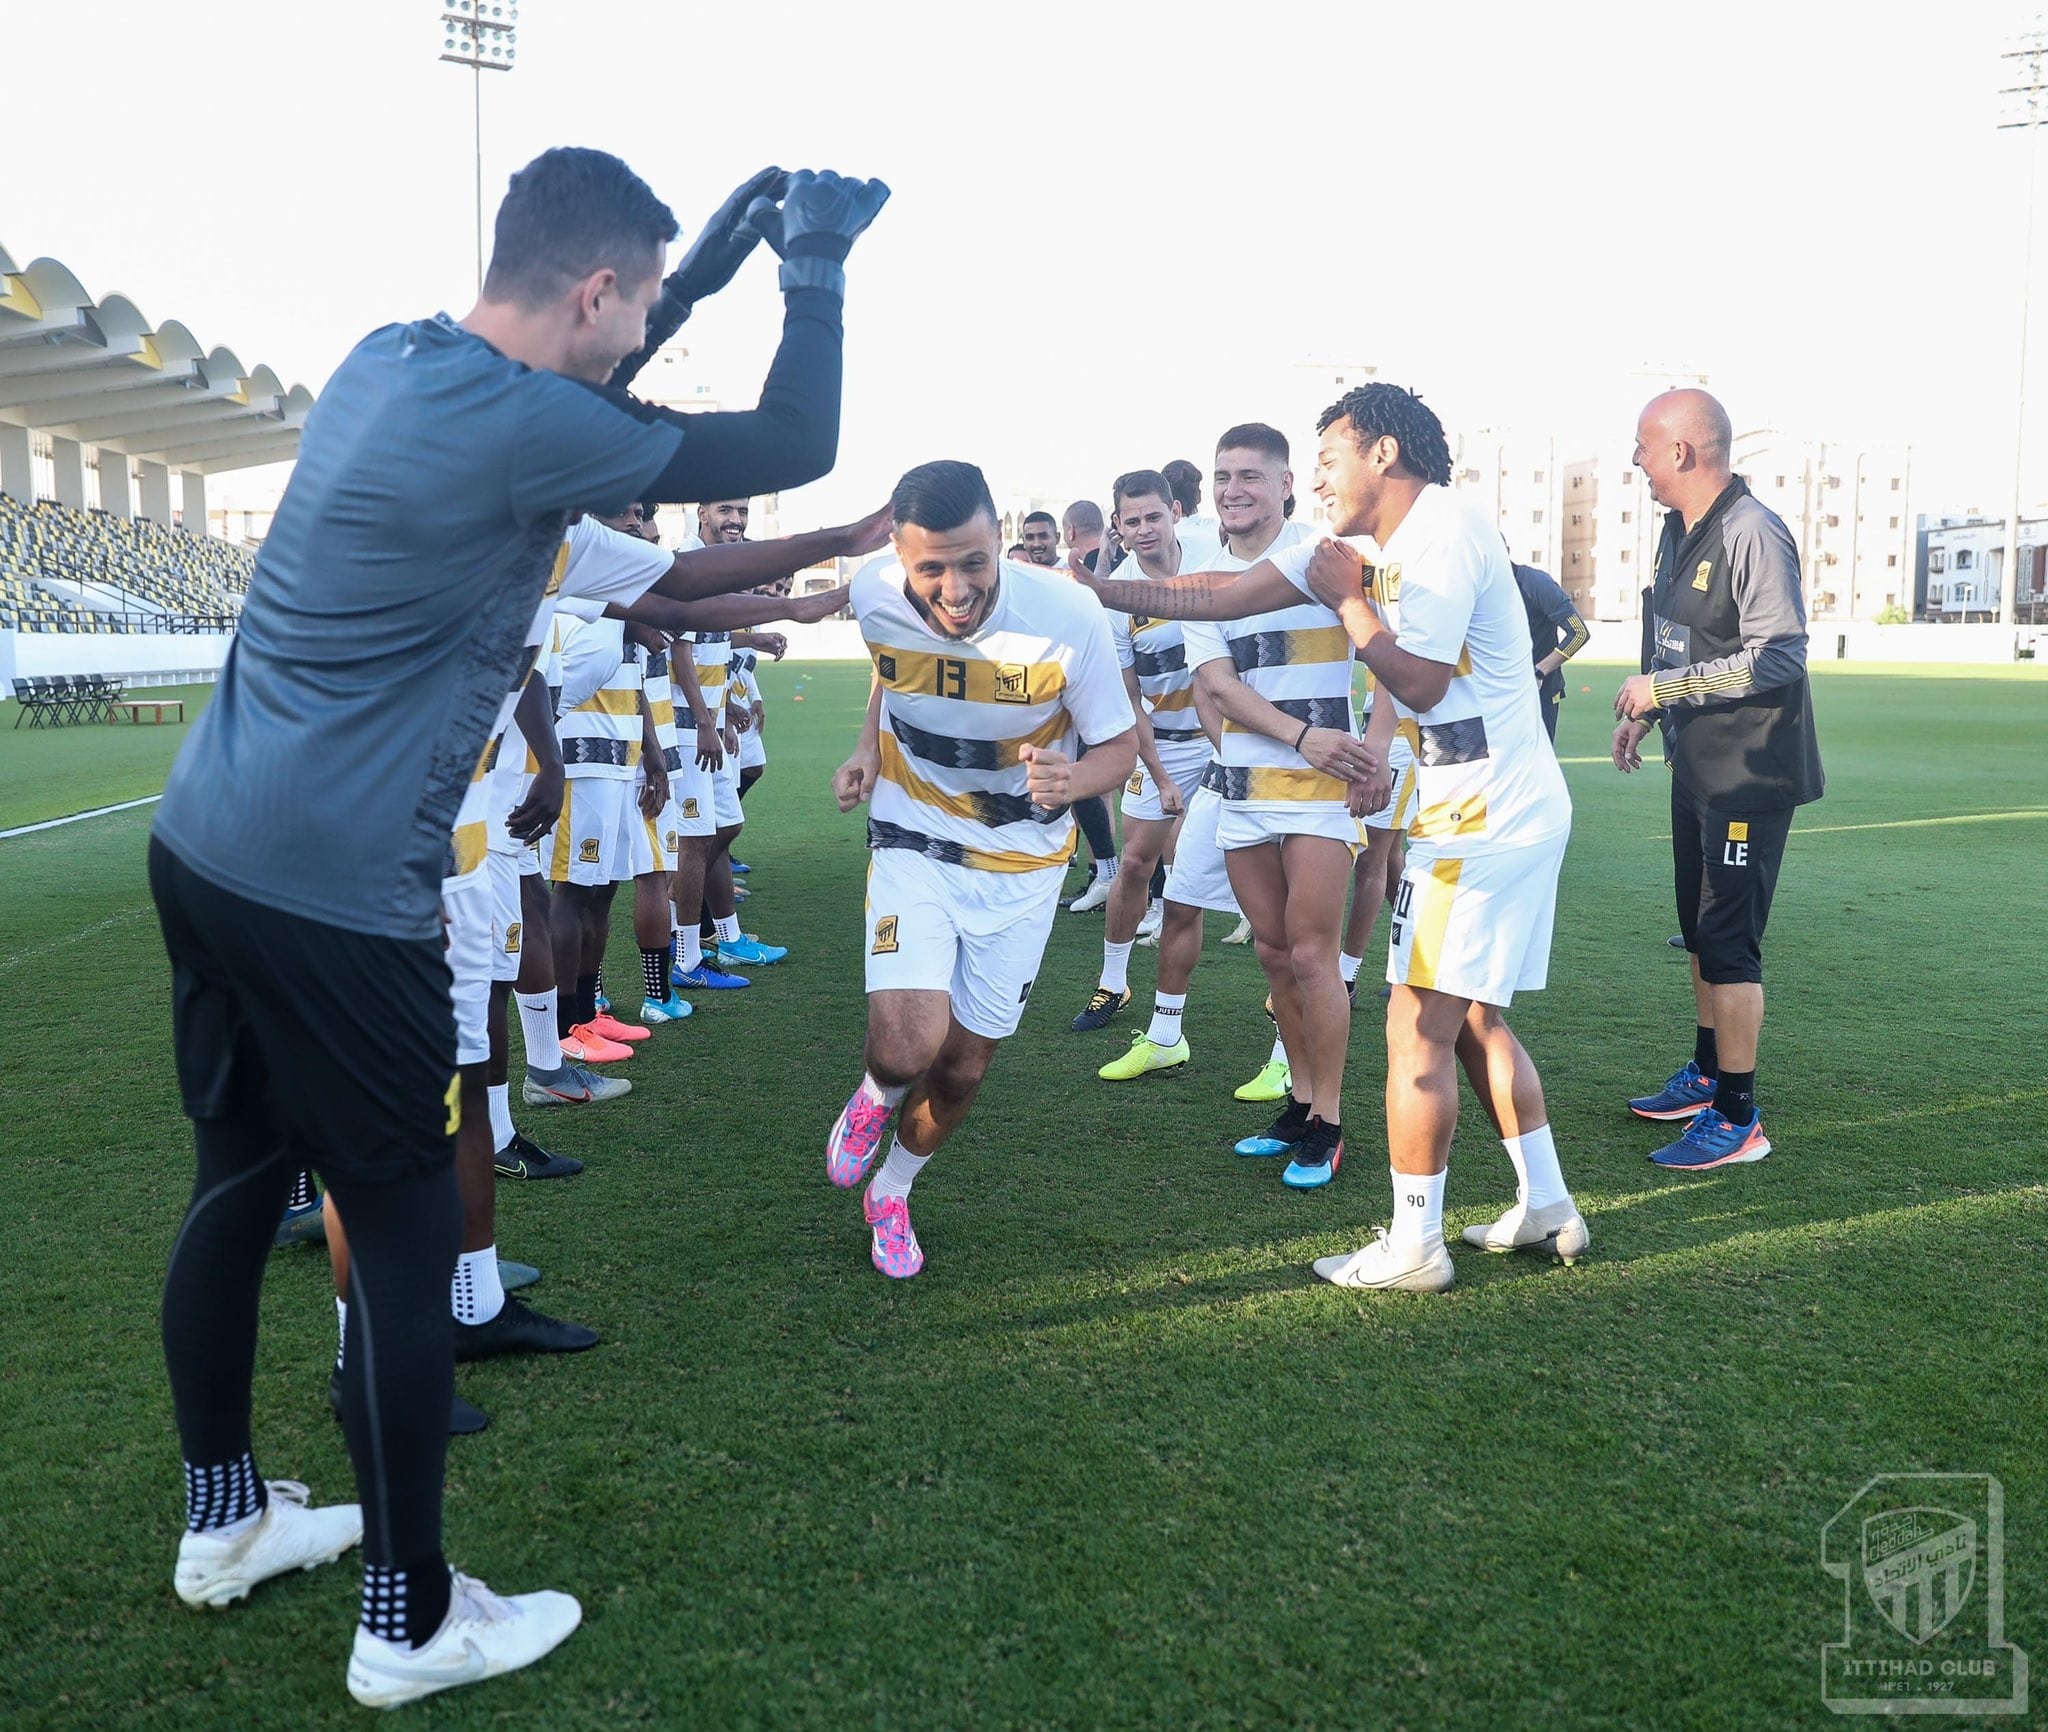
306, 1045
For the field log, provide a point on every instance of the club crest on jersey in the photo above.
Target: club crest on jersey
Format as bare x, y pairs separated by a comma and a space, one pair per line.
512, 939
587, 852
1383, 582
1703, 574
1013, 683
885, 936
690, 806
885, 665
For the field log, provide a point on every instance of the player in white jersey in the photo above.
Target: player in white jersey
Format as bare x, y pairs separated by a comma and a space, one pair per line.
1437, 617
1293, 784
989, 678
1172, 749
1254, 492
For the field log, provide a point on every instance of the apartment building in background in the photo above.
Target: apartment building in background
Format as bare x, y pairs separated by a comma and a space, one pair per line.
1960, 568
1846, 508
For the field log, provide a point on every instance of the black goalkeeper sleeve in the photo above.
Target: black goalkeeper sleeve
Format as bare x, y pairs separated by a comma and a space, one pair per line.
790, 437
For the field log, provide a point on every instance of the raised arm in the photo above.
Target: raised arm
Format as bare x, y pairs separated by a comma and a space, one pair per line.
1337, 575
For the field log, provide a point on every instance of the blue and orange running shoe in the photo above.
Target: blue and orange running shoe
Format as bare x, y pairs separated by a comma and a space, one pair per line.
896, 1251
1683, 1094
856, 1138
1711, 1141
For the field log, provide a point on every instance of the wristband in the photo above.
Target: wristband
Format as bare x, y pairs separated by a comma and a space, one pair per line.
809, 271
1300, 737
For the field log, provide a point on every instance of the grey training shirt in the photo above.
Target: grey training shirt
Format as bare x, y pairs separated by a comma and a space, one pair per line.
385, 621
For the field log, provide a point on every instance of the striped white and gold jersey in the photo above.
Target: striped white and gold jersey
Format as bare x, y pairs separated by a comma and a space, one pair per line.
1156, 652
713, 653
1297, 658
599, 721
661, 702
1486, 774
593, 566
955, 711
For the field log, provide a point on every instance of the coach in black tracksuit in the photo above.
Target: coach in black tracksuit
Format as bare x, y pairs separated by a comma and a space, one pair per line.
1724, 674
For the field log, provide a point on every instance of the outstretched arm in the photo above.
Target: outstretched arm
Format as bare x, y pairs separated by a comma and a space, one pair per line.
729, 612
735, 565
1198, 595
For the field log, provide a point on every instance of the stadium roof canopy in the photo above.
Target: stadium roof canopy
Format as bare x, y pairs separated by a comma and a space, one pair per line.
101, 373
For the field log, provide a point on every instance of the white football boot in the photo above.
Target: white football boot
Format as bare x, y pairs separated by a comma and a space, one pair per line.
1411, 1268
483, 1636
1556, 1228
216, 1569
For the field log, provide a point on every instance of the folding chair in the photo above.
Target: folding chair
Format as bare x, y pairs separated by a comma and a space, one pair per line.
30, 702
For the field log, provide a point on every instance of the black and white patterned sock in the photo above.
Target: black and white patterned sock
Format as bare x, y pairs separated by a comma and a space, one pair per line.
406, 1605
654, 966
220, 1495
303, 1194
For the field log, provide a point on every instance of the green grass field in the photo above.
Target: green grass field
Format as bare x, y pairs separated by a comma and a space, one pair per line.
1116, 1459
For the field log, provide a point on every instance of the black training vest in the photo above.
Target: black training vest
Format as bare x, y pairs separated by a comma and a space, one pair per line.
1749, 754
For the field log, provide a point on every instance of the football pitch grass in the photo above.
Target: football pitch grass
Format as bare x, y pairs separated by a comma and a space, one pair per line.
1116, 1458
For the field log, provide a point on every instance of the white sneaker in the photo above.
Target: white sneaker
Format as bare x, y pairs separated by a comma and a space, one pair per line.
484, 1634
1412, 1268
1148, 928
1242, 933
1557, 1228
1093, 897
218, 1569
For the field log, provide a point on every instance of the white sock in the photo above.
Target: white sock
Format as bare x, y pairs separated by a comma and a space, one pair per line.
340, 1329
1418, 1208
1349, 965
1166, 1009
1538, 1178
1105, 869
1279, 1051
1156, 908
899, 1172
501, 1113
1116, 966
890, 1097
692, 941
476, 1293
728, 929
537, 1024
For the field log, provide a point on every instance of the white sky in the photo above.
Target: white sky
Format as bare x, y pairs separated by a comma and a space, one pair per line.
1114, 227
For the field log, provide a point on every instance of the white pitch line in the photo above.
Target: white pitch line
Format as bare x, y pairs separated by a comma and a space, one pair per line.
79, 817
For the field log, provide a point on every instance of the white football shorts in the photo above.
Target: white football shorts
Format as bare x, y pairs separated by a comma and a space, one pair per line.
1476, 926
977, 936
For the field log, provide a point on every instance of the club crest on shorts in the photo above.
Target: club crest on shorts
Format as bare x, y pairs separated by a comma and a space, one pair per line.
1136, 785
1738, 831
885, 936
512, 939
1013, 683
690, 806
670, 842
1703, 574
587, 852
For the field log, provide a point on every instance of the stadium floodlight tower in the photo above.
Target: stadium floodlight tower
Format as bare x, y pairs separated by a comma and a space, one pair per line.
2023, 104
484, 36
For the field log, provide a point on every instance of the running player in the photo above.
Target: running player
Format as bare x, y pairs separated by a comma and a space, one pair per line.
1440, 624
1172, 749
989, 677
1294, 786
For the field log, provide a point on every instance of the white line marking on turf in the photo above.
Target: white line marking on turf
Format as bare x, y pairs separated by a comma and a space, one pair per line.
79, 817
1905, 823
127, 917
